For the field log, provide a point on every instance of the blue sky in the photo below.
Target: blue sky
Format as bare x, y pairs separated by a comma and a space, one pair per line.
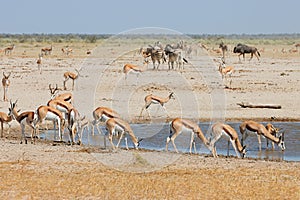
112, 17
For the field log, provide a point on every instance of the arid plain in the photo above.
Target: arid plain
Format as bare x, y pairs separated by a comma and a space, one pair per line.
48, 170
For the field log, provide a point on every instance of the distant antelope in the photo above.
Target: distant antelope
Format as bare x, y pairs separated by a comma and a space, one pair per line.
71, 75
226, 71
46, 50
67, 50
8, 50
39, 63
224, 48
151, 99
5, 84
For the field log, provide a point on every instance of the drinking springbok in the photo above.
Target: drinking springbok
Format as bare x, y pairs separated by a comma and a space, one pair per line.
178, 125
269, 132
118, 125
221, 129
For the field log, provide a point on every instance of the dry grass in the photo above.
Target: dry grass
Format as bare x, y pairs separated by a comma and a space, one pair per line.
36, 180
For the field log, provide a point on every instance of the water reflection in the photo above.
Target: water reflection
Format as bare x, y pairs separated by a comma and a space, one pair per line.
154, 138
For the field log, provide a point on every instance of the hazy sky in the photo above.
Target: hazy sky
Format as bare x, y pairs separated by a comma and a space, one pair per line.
188, 16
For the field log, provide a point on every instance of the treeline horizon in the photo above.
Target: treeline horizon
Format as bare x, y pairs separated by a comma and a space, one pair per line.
93, 38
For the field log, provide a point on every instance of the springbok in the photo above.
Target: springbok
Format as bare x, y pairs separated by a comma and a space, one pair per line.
178, 125
67, 50
151, 99
39, 63
71, 75
118, 125
76, 125
219, 130
5, 84
50, 114
68, 97
268, 132
102, 114
5, 118
61, 105
134, 69
25, 118
226, 71
46, 50
8, 50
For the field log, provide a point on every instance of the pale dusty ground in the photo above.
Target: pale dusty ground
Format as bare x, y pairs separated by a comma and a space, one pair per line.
57, 171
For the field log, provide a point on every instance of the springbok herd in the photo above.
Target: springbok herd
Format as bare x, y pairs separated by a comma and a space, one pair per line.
61, 111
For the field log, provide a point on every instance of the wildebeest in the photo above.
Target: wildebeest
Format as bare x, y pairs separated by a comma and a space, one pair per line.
242, 49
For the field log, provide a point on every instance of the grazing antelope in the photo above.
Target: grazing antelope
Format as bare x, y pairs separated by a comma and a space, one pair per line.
219, 130
71, 75
39, 63
5, 84
76, 125
50, 114
115, 125
46, 50
5, 118
268, 132
25, 118
102, 114
8, 50
151, 99
178, 125
134, 69
68, 97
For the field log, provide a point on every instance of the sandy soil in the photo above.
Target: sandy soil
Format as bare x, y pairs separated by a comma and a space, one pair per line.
50, 170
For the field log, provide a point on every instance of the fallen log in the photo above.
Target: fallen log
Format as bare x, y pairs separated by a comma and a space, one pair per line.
250, 105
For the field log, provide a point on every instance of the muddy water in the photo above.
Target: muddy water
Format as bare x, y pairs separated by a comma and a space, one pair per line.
154, 138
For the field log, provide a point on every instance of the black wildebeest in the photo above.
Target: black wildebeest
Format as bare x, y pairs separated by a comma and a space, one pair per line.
242, 49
